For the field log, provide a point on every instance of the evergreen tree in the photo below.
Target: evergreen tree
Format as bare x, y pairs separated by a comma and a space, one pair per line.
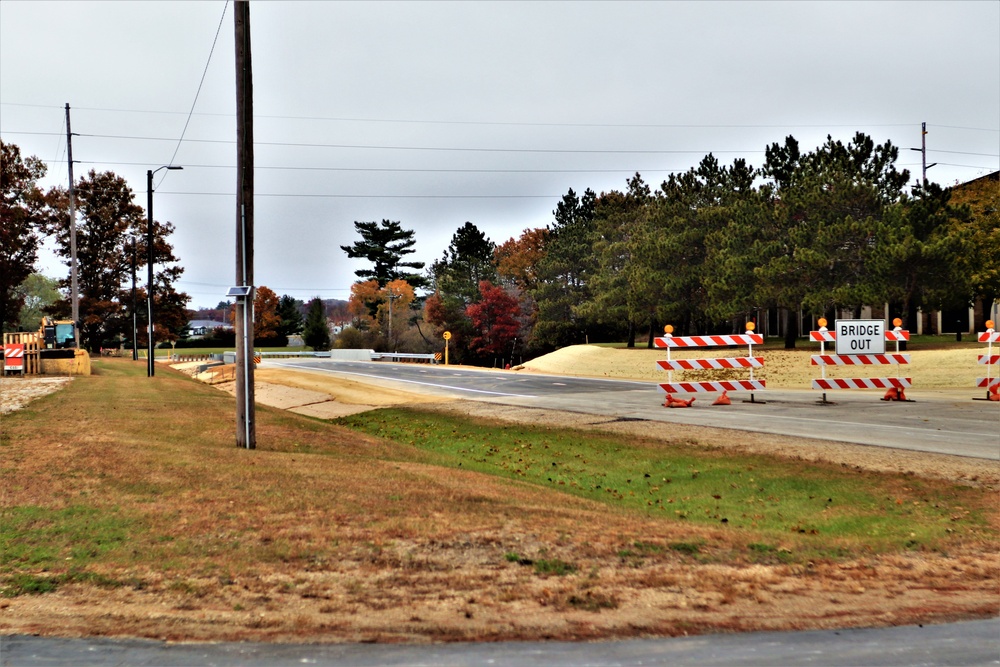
316, 333
289, 310
385, 245
563, 274
467, 262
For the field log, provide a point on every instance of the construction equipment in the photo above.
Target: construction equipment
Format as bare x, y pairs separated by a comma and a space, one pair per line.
51, 350
58, 334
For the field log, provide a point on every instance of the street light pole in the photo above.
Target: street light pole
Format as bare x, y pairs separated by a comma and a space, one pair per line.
150, 368
135, 326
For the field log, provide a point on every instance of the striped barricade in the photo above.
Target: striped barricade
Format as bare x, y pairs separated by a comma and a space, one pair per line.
713, 386
989, 383
749, 362
710, 364
894, 386
13, 357
859, 359
862, 383
670, 341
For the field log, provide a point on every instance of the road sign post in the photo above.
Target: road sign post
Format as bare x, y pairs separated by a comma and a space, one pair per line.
447, 337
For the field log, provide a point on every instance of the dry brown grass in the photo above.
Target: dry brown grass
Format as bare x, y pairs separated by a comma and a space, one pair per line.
324, 535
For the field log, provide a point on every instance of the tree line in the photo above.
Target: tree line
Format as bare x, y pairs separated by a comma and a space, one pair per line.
821, 232
110, 244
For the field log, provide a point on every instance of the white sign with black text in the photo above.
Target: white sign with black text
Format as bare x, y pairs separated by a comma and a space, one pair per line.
860, 336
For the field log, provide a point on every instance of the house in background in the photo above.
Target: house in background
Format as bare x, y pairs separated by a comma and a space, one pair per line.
202, 328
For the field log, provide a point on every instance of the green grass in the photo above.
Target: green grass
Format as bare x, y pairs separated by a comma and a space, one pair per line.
825, 507
36, 540
45, 537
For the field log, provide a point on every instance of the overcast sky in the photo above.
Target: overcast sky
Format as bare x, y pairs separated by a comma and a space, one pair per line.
434, 114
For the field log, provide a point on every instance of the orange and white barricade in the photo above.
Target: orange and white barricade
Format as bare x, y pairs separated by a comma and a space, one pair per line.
990, 383
861, 335
13, 358
749, 362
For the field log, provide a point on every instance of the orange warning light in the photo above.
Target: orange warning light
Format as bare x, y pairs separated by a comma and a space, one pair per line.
821, 321
897, 322
669, 329
750, 326
989, 324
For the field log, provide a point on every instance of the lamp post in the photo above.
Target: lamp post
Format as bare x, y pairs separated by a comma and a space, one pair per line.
135, 327
150, 370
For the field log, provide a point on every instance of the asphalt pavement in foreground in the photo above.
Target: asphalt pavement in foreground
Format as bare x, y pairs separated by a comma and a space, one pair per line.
967, 644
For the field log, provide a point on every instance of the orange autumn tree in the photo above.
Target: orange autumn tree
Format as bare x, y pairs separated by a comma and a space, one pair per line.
373, 307
266, 319
517, 259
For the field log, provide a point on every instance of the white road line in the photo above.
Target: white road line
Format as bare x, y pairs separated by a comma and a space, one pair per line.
426, 384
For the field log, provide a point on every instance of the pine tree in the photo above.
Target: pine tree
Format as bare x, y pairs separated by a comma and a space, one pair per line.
316, 333
385, 245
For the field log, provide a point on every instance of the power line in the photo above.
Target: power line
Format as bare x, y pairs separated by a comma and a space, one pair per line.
197, 92
355, 196
974, 129
400, 170
418, 121
461, 149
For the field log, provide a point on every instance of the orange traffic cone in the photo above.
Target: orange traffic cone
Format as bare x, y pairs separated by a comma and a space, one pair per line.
723, 399
678, 403
995, 393
894, 394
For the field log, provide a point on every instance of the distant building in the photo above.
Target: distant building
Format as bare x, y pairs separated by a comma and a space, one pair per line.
202, 328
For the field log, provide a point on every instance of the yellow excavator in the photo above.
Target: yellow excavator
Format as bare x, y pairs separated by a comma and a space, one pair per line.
52, 350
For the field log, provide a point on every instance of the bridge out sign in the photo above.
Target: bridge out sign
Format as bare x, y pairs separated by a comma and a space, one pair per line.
860, 336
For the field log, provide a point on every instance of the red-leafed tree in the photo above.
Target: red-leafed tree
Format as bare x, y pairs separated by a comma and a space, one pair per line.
495, 321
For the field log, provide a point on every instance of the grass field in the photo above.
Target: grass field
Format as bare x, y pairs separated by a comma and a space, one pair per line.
765, 499
127, 509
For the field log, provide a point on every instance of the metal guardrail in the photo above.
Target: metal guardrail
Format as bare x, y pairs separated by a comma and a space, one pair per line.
403, 356
293, 354
375, 356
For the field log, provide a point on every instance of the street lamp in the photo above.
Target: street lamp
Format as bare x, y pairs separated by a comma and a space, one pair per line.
135, 328
150, 370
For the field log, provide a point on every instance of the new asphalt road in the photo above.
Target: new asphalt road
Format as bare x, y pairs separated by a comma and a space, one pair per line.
940, 421
969, 644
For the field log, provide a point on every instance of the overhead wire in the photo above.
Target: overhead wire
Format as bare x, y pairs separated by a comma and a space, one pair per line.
467, 149
419, 121
197, 92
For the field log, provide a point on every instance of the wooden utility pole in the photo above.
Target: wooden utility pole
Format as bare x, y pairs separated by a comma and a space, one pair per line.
923, 155
73, 283
246, 431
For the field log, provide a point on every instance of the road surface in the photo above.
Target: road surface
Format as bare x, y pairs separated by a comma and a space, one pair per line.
942, 421
968, 644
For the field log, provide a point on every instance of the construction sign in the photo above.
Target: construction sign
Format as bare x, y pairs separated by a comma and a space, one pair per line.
13, 356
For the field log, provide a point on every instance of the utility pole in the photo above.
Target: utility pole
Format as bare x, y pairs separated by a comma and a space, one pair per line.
246, 436
392, 297
923, 154
135, 323
74, 285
